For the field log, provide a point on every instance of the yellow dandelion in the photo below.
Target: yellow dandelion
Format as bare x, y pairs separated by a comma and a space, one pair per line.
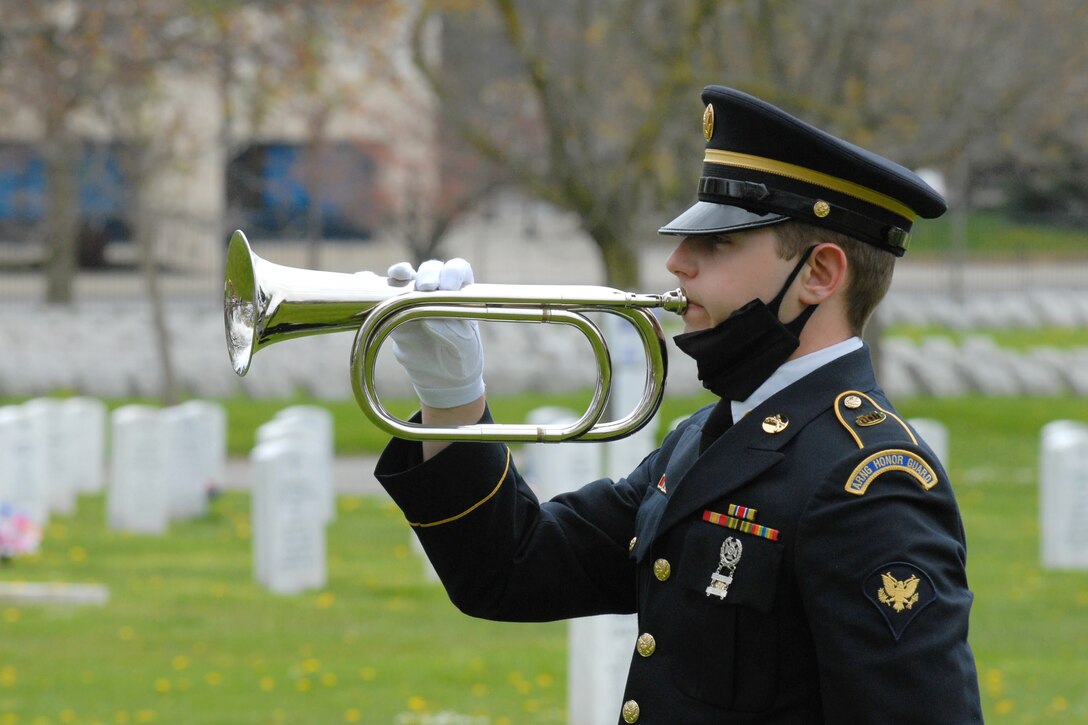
12, 615
531, 705
9, 719
121, 717
242, 530
325, 600
523, 687
328, 679
1058, 704
8, 676
58, 531
144, 716
303, 684
503, 720
349, 504
267, 684
180, 662
476, 664
401, 552
77, 554
367, 674
219, 591
395, 604
352, 715
67, 715
126, 633
311, 665
1004, 707
213, 678
479, 690
994, 682
417, 703
40, 720
545, 679
1082, 599
163, 685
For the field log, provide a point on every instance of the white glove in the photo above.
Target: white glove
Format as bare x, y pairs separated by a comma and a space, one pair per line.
443, 357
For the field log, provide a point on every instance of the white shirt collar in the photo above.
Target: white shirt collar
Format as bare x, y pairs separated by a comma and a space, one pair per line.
791, 371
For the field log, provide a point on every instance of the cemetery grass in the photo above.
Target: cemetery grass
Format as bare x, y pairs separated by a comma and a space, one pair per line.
188, 637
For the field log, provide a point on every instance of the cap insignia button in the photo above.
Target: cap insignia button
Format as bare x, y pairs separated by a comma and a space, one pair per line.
630, 712
852, 402
631, 546
821, 208
646, 644
708, 121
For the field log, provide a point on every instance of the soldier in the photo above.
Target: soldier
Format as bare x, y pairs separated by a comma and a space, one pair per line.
795, 553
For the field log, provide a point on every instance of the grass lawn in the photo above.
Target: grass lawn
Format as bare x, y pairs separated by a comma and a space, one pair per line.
188, 637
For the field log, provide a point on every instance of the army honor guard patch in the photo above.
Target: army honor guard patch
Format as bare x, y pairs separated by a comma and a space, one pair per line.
899, 591
729, 558
891, 460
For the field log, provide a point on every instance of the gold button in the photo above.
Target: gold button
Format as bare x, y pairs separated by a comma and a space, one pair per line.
852, 402
662, 569
631, 546
630, 711
646, 644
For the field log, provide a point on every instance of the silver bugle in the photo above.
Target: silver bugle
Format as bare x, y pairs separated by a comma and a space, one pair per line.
266, 303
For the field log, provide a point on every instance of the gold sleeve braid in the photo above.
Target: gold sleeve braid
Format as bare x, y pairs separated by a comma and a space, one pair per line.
474, 506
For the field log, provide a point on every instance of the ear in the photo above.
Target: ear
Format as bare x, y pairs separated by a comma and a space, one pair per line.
824, 274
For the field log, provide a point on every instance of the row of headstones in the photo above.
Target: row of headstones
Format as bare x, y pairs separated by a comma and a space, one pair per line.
292, 499
51, 450
164, 463
161, 461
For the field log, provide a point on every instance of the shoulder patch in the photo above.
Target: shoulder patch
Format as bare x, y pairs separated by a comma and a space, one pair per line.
894, 459
864, 419
900, 591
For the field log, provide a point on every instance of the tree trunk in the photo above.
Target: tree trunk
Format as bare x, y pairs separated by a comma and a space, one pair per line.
62, 221
144, 240
619, 254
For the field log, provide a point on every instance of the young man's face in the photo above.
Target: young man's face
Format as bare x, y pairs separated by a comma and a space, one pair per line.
722, 273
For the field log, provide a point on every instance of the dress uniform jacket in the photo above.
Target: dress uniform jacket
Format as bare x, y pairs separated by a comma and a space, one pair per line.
807, 567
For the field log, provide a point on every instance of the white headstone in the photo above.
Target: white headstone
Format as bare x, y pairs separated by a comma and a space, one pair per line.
44, 417
213, 433
600, 655
935, 433
87, 416
1063, 494
316, 427
290, 519
23, 481
184, 459
138, 499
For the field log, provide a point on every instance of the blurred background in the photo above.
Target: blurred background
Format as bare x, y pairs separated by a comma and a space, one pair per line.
545, 142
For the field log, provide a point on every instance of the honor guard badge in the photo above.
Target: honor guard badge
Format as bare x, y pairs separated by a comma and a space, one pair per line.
899, 591
878, 464
661, 485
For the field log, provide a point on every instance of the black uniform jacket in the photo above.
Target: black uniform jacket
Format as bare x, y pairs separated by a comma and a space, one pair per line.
807, 567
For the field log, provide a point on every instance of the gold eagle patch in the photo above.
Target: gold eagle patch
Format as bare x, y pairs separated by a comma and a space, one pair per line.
898, 595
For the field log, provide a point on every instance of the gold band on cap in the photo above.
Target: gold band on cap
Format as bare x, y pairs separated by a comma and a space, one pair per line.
800, 173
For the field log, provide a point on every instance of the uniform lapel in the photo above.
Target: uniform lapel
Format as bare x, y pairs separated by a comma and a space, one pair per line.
747, 450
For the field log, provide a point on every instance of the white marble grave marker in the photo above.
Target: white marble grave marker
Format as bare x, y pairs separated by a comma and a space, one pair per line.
1063, 495
935, 433
23, 481
45, 418
185, 446
315, 425
138, 499
292, 532
87, 417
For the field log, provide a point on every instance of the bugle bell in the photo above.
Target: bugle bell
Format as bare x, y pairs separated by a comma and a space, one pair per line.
266, 303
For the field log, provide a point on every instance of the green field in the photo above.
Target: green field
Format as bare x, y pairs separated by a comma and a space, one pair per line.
188, 637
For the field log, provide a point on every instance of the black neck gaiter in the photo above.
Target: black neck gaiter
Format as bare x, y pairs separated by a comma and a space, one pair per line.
739, 354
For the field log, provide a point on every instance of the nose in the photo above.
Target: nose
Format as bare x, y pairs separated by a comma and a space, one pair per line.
681, 262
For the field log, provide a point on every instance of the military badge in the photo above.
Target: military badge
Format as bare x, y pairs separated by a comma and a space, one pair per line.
708, 122
775, 423
728, 560
899, 591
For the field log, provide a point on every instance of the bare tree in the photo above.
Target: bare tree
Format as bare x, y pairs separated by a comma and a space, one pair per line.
589, 103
